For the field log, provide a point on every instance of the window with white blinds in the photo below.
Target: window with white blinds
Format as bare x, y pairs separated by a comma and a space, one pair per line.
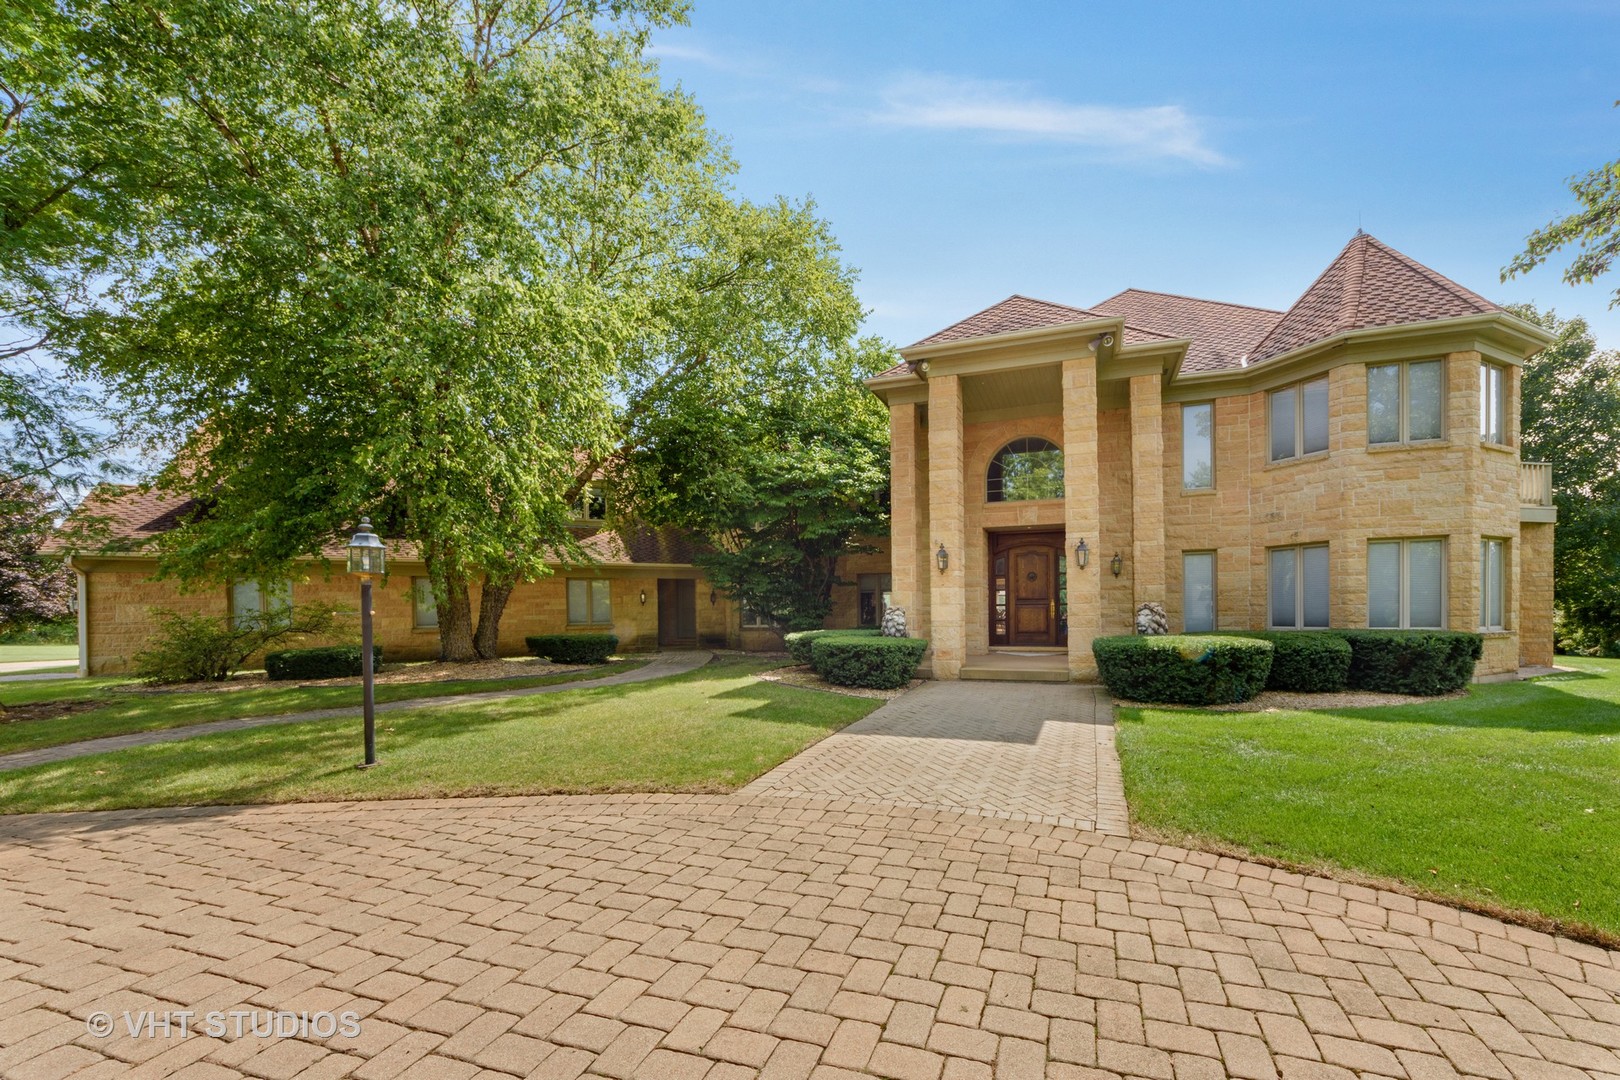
589, 602
1198, 591
1299, 420
1491, 582
1299, 587
251, 598
1406, 584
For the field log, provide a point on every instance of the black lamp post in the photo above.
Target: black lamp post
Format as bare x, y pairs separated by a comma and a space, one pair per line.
366, 560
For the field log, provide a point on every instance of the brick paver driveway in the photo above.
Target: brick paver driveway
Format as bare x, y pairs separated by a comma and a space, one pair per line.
1019, 751
727, 937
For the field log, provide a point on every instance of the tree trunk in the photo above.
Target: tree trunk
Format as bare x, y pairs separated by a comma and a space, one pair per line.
455, 610
491, 603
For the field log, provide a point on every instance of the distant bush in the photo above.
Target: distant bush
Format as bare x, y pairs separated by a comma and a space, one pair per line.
863, 658
325, 662
798, 643
1200, 669
1418, 662
1306, 661
573, 648
209, 648
60, 632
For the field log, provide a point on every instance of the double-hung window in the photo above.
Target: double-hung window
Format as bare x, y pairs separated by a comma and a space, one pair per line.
253, 598
1198, 591
1198, 447
1492, 579
1406, 584
1404, 402
1299, 587
1299, 420
589, 602
424, 608
1492, 403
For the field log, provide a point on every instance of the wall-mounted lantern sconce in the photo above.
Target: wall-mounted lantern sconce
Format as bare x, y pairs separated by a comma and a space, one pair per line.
714, 598
1116, 564
942, 557
643, 596
1082, 554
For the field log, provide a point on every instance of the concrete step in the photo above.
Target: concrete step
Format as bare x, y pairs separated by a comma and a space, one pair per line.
1012, 674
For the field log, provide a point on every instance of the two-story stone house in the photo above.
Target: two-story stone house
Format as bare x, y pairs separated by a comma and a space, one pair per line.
1351, 462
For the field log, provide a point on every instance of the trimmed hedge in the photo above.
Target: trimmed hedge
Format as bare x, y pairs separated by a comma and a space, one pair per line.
852, 658
573, 648
328, 662
1418, 662
798, 643
1183, 669
1306, 661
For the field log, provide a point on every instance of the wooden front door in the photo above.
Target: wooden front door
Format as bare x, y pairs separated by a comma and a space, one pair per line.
1028, 585
677, 612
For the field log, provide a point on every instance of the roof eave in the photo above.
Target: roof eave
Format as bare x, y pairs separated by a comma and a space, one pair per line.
1529, 338
1039, 334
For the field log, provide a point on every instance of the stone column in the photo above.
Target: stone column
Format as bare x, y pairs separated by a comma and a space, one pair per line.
1082, 520
948, 599
1465, 495
903, 510
1147, 490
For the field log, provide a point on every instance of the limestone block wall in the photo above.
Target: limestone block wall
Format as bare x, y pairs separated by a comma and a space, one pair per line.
1535, 593
1115, 475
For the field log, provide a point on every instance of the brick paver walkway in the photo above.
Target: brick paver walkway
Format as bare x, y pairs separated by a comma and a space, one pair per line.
731, 937
1019, 751
661, 666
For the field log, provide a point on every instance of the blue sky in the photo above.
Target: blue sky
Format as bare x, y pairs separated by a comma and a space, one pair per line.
966, 151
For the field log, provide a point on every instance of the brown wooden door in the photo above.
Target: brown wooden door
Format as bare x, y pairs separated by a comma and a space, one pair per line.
1026, 590
677, 612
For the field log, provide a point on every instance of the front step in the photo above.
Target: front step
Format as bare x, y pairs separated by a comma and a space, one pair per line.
1012, 674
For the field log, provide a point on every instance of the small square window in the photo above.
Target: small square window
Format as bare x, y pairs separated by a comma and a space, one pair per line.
1299, 420
590, 602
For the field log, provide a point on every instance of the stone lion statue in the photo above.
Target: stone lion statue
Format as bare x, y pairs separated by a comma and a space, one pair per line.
1150, 619
894, 622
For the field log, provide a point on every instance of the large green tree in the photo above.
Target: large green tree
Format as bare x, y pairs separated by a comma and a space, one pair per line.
1593, 228
778, 474
432, 261
1570, 417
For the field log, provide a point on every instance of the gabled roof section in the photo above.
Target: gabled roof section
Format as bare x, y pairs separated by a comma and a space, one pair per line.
1221, 333
1370, 284
1011, 315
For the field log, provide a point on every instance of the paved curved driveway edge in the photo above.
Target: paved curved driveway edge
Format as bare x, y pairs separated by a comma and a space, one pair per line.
734, 937
662, 665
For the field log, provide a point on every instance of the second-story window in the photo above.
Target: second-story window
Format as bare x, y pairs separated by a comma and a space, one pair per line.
1198, 447
1492, 404
591, 504
1403, 402
1299, 420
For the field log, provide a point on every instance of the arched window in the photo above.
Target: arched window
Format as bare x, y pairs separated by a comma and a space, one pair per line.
1025, 469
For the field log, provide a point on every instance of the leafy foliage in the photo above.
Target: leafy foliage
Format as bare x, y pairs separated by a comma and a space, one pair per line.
866, 660
799, 642
1306, 661
1594, 228
1570, 418
573, 648
34, 587
1418, 662
322, 662
1202, 669
210, 648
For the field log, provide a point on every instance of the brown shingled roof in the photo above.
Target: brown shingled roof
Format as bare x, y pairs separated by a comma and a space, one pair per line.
1221, 333
1370, 284
1009, 316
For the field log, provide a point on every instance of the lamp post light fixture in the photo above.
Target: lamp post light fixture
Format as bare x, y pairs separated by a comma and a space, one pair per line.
942, 557
1082, 554
367, 558
1116, 564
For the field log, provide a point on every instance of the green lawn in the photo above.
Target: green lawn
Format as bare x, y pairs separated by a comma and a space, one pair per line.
127, 710
1508, 798
44, 654
710, 730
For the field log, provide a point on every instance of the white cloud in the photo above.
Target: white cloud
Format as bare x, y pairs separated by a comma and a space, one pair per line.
1014, 111
666, 51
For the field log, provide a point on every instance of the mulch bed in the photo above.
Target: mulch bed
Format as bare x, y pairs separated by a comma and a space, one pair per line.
46, 710
431, 671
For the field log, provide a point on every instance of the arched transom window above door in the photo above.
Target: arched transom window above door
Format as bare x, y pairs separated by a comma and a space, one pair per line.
1029, 468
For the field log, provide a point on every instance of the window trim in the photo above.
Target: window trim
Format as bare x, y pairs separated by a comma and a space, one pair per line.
1298, 551
418, 585
590, 601
1501, 583
1299, 454
1214, 590
1404, 571
1210, 405
1404, 406
272, 596
1001, 496
1498, 414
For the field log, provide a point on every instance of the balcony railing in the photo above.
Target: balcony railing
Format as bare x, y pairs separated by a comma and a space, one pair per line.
1535, 483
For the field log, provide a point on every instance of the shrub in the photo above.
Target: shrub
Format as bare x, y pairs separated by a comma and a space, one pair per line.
1419, 662
798, 643
573, 648
326, 662
1202, 669
208, 648
862, 658
1306, 661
